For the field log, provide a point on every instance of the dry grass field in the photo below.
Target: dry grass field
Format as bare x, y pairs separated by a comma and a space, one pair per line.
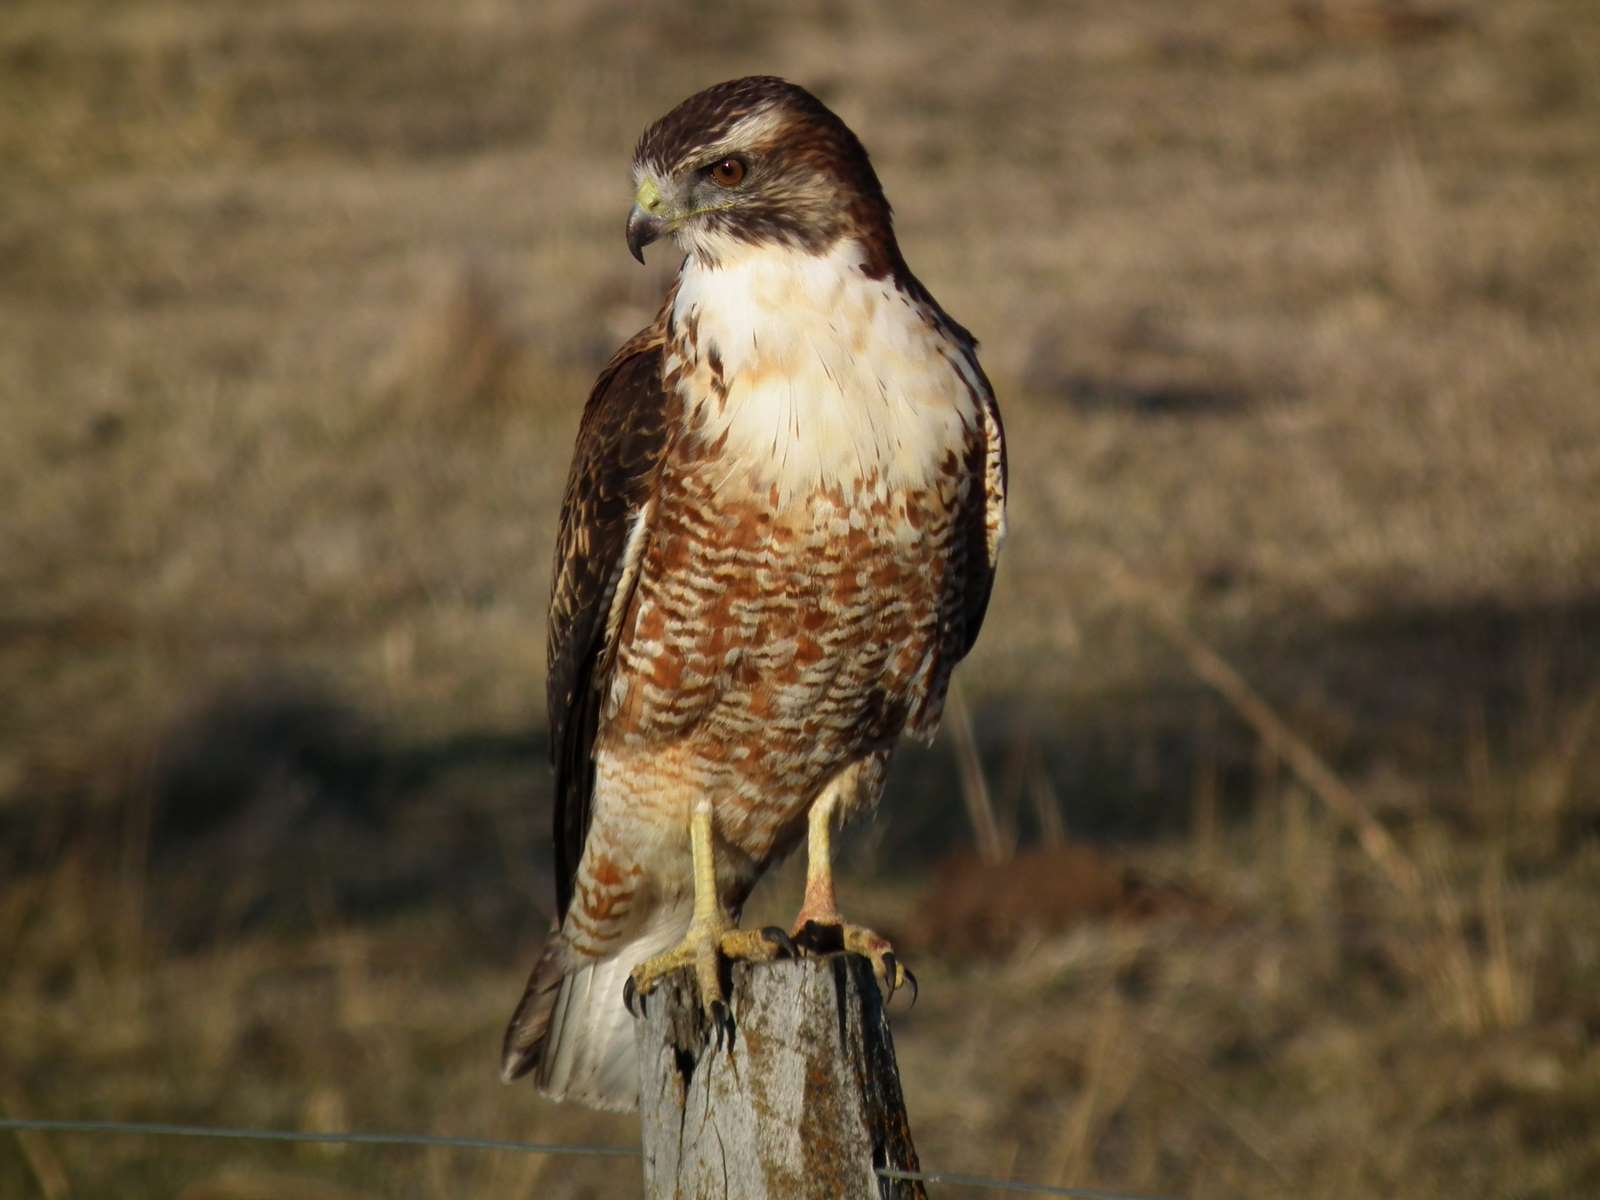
1288, 706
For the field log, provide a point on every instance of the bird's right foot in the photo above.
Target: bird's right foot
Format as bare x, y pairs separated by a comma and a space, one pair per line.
703, 949
831, 936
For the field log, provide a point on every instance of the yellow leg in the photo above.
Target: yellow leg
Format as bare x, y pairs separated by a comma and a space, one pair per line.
711, 934
819, 928
706, 908
819, 904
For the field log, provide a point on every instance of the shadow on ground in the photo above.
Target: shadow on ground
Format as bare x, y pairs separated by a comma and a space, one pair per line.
280, 804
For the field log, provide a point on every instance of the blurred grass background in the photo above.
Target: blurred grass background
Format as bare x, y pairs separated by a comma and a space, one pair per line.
1294, 312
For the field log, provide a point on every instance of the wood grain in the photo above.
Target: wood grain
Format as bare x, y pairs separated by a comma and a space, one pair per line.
805, 1103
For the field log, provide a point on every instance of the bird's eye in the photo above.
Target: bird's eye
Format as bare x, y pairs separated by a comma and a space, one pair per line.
727, 173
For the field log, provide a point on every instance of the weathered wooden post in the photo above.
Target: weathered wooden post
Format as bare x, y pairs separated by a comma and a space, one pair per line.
804, 1105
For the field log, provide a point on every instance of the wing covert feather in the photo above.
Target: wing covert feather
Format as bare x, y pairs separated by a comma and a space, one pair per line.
620, 443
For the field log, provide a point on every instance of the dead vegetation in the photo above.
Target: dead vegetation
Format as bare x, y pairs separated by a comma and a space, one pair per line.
1284, 725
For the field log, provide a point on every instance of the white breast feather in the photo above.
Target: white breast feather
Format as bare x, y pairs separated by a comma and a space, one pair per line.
832, 376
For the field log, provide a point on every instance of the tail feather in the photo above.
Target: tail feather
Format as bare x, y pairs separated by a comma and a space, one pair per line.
589, 1056
525, 1035
572, 1026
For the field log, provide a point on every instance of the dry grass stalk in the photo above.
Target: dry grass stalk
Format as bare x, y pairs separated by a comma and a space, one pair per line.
1475, 972
1298, 754
1046, 808
1507, 988
43, 1164
1109, 1074
1552, 778
1475, 989
1307, 857
992, 848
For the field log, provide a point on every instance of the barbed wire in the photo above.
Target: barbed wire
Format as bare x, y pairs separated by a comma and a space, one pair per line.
446, 1141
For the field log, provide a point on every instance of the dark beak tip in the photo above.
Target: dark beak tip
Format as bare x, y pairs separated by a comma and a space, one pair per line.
641, 230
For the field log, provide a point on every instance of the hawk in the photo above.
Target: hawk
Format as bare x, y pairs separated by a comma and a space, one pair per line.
778, 538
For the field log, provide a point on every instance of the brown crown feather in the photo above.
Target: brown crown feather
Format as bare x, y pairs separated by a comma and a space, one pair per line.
813, 182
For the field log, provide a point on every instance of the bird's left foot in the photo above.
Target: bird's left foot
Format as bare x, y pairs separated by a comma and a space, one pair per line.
830, 935
703, 949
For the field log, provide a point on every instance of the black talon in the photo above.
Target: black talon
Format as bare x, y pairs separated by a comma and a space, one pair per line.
721, 1024
912, 980
890, 976
630, 993
781, 939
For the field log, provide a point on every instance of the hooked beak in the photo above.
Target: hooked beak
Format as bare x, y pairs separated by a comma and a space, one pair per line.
645, 222
643, 228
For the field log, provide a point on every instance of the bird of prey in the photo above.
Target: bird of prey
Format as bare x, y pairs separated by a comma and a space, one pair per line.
778, 538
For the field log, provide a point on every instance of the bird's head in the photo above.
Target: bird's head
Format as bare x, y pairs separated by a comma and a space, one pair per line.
756, 162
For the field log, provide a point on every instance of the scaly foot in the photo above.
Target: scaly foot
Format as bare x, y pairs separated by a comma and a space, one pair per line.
704, 948
830, 935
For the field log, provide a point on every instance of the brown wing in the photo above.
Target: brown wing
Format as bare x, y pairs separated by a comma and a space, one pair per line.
973, 551
620, 444
986, 520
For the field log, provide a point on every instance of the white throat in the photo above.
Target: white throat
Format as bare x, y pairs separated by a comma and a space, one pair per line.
831, 378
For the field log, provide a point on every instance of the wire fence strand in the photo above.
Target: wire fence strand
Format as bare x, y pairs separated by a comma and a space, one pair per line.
446, 1141
348, 1138
1011, 1185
